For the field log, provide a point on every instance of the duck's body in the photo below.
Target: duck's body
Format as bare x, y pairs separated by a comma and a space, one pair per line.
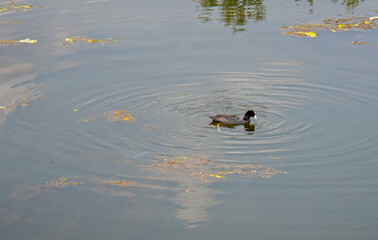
232, 119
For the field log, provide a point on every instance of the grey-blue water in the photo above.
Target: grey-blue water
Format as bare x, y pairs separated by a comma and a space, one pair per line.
69, 169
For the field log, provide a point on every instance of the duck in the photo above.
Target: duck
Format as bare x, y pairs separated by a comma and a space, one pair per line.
234, 120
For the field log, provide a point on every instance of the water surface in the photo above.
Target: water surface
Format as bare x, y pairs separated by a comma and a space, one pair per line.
305, 170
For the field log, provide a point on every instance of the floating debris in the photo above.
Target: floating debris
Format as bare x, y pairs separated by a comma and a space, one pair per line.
62, 182
14, 42
116, 182
334, 25
120, 115
188, 190
14, 6
363, 43
90, 40
216, 176
27, 40
86, 120
204, 169
112, 116
23, 103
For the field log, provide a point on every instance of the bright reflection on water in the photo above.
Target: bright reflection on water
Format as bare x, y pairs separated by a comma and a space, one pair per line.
70, 170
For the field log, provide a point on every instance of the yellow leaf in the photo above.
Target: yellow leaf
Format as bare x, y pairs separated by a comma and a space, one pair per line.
216, 176
70, 40
224, 172
333, 30
27, 40
63, 179
340, 26
21, 6
75, 110
8, 42
309, 34
15, 7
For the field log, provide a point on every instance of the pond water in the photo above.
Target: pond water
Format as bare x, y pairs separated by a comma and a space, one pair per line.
111, 139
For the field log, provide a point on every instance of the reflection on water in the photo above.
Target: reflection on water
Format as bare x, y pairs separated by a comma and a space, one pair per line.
15, 88
237, 13
350, 5
194, 203
121, 144
247, 127
233, 13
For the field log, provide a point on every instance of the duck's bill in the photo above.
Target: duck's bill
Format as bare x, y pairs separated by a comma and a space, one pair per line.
255, 117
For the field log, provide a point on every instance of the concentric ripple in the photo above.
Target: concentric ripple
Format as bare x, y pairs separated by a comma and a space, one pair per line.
295, 119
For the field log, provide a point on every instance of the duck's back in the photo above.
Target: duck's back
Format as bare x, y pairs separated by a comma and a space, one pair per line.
228, 119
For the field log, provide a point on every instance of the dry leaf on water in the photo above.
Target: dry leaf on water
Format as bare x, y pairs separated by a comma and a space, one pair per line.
334, 25
14, 42
89, 40
13, 6
120, 115
116, 182
204, 169
62, 182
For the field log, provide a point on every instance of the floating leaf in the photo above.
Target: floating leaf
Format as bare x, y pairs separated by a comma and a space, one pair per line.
8, 42
224, 172
27, 40
62, 182
172, 162
90, 40
16, 7
87, 120
216, 176
116, 182
75, 110
334, 25
70, 40
309, 34
20, 6
63, 179
363, 43
120, 115
204, 169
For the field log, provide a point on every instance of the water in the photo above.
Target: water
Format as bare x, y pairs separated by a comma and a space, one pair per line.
305, 170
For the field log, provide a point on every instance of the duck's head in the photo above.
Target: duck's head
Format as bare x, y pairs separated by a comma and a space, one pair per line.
250, 113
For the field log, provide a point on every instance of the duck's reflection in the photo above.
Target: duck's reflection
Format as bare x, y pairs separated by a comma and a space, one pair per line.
247, 127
